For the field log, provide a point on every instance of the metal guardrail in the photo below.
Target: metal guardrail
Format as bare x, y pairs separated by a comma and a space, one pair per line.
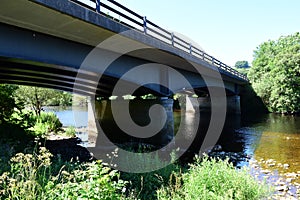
115, 11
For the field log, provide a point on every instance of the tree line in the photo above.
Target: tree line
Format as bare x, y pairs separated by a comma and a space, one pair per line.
275, 73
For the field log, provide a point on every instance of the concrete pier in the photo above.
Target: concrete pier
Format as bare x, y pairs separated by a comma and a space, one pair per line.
203, 104
109, 129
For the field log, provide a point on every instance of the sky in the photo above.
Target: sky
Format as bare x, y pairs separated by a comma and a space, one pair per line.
229, 30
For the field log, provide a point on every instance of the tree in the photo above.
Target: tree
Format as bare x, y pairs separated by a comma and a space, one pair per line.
275, 74
242, 64
36, 97
7, 101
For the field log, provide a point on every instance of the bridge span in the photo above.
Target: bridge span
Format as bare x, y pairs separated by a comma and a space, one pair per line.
91, 48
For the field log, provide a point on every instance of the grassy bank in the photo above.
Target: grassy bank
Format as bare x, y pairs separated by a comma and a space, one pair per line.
37, 174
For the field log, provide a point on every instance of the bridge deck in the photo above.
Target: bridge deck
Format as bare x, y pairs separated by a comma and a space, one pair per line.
68, 24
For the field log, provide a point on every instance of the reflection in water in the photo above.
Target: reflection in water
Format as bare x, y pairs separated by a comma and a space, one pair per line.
266, 137
196, 131
269, 137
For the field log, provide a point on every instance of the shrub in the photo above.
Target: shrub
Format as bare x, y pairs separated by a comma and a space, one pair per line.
50, 119
214, 179
34, 176
70, 131
87, 181
36, 125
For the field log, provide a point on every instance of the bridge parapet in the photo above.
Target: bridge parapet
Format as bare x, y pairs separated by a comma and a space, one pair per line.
127, 17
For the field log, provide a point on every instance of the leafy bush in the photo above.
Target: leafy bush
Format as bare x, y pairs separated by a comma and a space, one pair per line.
7, 101
39, 128
50, 119
214, 179
34, 176
70, 131
18, 126
275, 74
37, 125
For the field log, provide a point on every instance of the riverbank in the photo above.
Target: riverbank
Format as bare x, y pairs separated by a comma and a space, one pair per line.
286, 184
70, 168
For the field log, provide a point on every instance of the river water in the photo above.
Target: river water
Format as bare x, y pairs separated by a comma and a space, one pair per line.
71, 115
271, 136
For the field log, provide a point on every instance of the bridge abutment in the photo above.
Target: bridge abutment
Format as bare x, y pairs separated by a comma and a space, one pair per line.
110, 131
191, 104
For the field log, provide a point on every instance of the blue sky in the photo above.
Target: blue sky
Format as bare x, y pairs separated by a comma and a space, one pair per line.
228, 30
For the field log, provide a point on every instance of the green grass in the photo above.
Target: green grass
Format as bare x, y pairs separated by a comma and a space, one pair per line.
37, 174
70, 131
214, 179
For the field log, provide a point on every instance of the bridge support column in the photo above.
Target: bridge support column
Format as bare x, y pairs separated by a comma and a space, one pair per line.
233, 104
139, 109
204, 104
92, 127
191, 104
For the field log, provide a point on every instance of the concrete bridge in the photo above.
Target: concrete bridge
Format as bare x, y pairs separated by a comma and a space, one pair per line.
93, 47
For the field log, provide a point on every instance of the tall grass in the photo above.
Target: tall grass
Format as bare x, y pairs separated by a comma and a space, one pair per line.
37, 175
214, 179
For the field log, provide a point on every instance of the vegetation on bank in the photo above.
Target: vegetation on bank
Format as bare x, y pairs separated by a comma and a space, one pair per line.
213, 179
38, 174
275, 74
29, 171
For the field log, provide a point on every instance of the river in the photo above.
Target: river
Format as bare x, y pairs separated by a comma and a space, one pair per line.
271, 136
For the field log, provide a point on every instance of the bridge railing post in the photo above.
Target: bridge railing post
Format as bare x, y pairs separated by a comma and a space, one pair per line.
145, 24
98, 6
172, 39
191, 48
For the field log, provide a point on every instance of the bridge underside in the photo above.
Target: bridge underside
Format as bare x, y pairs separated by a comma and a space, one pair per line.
31, 58
52, 44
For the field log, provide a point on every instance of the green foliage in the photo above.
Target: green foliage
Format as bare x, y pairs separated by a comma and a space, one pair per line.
243, 70
39, 129
59, 98
70, 131
44, 123
7, 102
36, 125
144, 185
214, 179
79, 100
38, 175
242, 64
36, 98
275, 74
34, 176
51, 120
